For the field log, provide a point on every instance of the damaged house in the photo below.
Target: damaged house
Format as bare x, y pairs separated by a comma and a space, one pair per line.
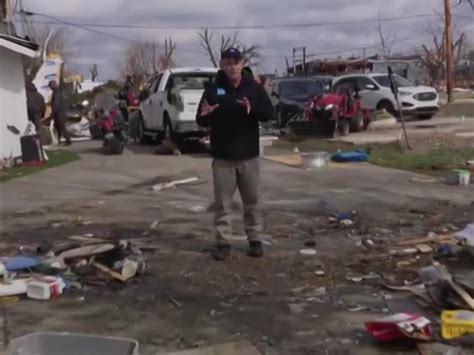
13, 110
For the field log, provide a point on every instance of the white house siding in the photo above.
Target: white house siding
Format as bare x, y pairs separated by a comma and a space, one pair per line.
12, 102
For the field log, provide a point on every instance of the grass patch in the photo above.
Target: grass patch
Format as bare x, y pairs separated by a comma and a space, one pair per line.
435, 161
56, 158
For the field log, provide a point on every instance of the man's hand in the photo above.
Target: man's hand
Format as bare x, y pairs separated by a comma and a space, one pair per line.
207, 109
245, 103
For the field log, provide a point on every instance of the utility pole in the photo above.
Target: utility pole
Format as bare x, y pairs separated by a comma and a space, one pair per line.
363, 57
449, 49
294, 61
304, 60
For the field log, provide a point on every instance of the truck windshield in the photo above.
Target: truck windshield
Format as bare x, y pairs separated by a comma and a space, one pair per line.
190, 81
384, 80
300, 88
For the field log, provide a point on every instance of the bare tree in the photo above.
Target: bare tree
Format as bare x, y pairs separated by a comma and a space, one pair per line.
250, 53
94, 70
144, 59
433, 58
468, 2
387, 41
58, 42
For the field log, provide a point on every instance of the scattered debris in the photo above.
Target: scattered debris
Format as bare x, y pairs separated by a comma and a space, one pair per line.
155, 224
13, 287
310, 243
424, 248
400, 326
458, 177
308, 252
320, 273
167, 185
174, 301
198, 209
456, 324
45, 288
297, 308
439, 282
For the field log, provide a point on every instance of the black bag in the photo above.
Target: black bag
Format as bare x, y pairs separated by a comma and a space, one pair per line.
31, 149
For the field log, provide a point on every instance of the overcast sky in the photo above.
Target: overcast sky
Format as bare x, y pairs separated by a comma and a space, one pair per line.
276, 43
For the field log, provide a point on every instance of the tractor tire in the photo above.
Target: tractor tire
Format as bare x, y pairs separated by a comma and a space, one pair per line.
343, 128
387, 106
357, 123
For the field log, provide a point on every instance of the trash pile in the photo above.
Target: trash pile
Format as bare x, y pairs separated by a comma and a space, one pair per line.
445, 291
50, 270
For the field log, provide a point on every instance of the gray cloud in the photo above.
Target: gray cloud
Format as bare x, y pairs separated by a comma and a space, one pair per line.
108, 52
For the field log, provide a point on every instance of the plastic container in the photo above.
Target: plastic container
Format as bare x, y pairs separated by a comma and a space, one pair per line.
315, 160
458, 177
45, 288
51, 343
456, 323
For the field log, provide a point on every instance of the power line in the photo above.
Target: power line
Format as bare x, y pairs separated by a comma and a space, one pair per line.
76, 25
236, 27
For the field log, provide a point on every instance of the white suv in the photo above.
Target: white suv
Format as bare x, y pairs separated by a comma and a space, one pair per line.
375, 93
169, 103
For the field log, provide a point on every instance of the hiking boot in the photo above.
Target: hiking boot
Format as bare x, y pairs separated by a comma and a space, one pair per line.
255, 249
221, 252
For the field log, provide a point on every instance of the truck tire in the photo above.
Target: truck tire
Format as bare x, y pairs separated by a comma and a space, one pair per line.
142, 138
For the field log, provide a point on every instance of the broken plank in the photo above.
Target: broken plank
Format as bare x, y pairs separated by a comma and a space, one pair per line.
415, 241
424, 248
109, 271
80, 238
446, 276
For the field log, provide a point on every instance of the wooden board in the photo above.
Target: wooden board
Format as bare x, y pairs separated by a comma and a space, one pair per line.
424, 248
423, 240
293, 160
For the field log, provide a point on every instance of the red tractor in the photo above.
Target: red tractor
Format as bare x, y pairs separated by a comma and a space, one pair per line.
333, 114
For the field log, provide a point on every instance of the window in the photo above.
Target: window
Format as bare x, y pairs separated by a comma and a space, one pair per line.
189, 81
384, 80
300, 88
155, 83
363, 82
344, 85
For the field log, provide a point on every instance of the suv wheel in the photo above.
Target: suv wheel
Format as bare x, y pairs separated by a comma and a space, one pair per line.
387, 106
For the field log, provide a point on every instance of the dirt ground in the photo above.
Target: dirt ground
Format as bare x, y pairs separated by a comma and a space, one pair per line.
184, 299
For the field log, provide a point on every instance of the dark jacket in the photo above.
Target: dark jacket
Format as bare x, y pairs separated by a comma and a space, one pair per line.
35, 102
58, 101
234, 133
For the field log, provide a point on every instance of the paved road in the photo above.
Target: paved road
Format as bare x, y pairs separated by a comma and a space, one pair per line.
113, 192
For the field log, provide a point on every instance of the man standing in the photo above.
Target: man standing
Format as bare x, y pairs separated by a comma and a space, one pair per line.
58, 107
35, 105
232, 107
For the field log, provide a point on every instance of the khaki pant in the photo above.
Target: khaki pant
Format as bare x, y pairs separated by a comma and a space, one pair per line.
229, 176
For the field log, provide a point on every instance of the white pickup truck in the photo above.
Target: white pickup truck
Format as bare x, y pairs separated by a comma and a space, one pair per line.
169, 103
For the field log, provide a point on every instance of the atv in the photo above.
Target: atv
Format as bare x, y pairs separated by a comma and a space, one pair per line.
333, 114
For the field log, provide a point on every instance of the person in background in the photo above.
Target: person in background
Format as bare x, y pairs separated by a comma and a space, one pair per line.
58, 112
266, 83
232, 107
124, 95
35, 105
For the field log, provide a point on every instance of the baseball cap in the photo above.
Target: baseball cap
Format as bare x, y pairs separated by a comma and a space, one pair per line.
231, 53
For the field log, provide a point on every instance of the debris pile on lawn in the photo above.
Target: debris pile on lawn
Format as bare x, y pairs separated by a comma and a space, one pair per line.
82, 261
